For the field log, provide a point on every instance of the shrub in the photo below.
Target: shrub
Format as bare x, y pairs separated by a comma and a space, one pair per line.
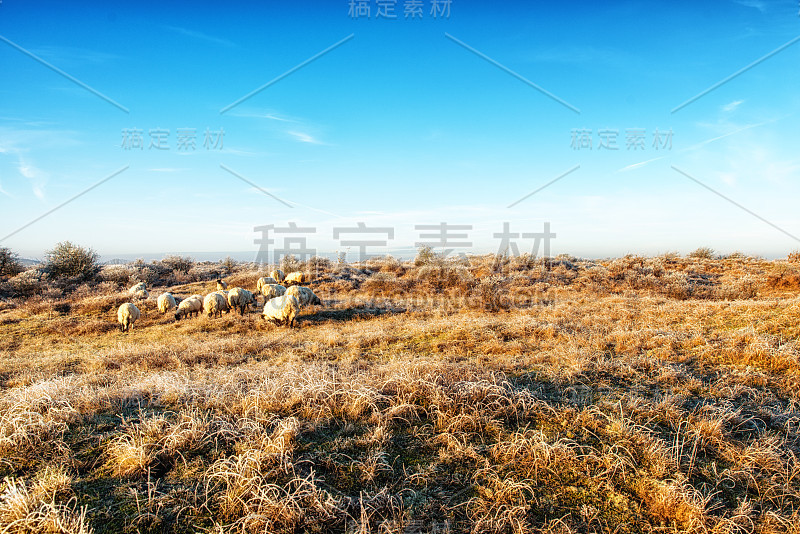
118, 274
443, 276
178, 264
9, 263
202, 272
70, 261
28, 282
228, 265
704, 253
490, 294
794, 256
318, 264
290, 264
425, 256
786, 277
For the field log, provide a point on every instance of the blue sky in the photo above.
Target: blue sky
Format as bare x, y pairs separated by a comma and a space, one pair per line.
403, 124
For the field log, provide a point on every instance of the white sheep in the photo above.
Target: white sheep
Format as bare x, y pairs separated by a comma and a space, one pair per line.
304, 295
297, 277
139, 291
142, 294
127, 314
214, 304
188, 307
278, 275
270, 291
141, 286
264, 280
282, 310
224, 295
222, 285
166, 302
239, 298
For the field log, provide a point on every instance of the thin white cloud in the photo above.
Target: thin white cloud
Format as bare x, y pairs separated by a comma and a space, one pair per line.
70, 55
3, 191
640, 164
274, 117
728, 134
200, 35
167, 169
755, 4
732, 106
304, 137
36, 177
19, 143
263, 114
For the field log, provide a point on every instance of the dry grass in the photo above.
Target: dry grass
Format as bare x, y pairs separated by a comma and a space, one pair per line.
486, 395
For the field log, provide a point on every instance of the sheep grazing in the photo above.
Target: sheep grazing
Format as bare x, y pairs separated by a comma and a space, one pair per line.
270, 291
224, 295
127, 314
239, 298
297, 277
282, 310
222, 285
264, 280
278, 275
214, 304
139, 291
141, 294
141, 286
166, 302
188, 307
304, 295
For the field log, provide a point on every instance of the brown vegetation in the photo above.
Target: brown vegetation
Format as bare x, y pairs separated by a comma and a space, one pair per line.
476, 395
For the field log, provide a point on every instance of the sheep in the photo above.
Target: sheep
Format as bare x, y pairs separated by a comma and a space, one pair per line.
297, 277
127, 314
141, 286
239, 298
222, 285
142, 294
264, 280
214, 304
166, 302
139, 291
278, 275
282, 310
224, 295
304, 295
270, 291
187, 307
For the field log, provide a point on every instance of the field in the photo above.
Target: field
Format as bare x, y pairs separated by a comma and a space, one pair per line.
625, 395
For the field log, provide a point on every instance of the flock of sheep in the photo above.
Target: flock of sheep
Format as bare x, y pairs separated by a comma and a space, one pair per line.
282, 303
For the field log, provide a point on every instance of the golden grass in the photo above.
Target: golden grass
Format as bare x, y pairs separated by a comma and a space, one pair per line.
625, 395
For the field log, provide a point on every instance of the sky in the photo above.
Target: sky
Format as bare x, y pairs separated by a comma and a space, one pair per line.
141, 129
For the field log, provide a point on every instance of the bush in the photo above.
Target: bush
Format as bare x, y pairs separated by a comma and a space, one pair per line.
178, 264
704, 253
28, 282
118, 274
425, 256
69, 261
318, 264
228, 265
9, 263
290, 264
786, 277
490, 294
